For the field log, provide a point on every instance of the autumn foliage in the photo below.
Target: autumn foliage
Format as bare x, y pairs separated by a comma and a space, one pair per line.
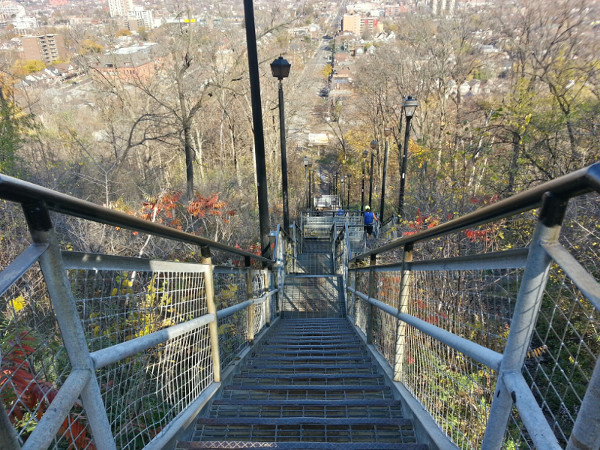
27, 397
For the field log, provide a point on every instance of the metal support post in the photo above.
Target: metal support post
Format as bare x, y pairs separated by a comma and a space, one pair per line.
249, 296
65, 310
8, 435
403, 170
371, 179
586, 432
372, 308
403, 302
259, 140
284, 180
268, 300
529, 301
362, 188
355, 299
211, 308
385, 163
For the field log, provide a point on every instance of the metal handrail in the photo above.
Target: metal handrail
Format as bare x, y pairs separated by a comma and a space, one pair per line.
579, 182
24, 192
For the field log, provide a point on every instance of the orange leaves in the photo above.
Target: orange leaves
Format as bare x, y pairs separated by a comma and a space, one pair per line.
168, 209
24, 391
203, 205
421, 222
475, 235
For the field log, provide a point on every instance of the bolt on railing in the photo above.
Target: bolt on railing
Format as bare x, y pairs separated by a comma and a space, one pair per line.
141, 342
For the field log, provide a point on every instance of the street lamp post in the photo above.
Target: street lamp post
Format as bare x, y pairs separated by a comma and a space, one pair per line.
374, 145
305, 161
335, 184
342, 190
409, 105
365, 153
280, 69
310, 192
348, 188
386, 133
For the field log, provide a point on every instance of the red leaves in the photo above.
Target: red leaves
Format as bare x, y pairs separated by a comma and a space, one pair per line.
167, 209
475, 235
24, 391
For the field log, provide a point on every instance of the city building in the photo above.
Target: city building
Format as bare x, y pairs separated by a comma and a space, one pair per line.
357, 24
137, 62
143, 16
120, 8
47, 48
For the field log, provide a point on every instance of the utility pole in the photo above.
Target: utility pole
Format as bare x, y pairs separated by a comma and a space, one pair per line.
259, 139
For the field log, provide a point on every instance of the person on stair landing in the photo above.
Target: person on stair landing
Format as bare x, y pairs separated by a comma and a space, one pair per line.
369, 217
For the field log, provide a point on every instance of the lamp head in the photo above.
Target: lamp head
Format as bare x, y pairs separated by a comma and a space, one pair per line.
365, 153
280, 68
305, 161
374, 144
410, 105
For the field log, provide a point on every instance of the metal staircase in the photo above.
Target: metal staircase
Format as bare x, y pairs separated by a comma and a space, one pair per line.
310, 383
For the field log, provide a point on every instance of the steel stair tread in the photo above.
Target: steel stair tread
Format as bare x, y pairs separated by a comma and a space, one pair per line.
301, 387
296, 421
333, 403
303, 376
311, 366
300, 445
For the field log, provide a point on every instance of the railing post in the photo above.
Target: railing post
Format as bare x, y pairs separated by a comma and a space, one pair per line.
372, 287
211, 307
529, 300
586, 431
268, 300
355, 299
69, 322
8, 435
403, 302
249, 296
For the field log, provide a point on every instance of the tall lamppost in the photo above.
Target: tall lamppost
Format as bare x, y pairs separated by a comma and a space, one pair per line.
386, 133
348, 188
409, 105
305, 161
310, 186
365, 153
374, 145
342, 190
280, 69
335, 184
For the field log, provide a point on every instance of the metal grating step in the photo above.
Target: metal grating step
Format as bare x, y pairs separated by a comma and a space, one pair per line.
299, 445
281, 410
336, 431
310, 384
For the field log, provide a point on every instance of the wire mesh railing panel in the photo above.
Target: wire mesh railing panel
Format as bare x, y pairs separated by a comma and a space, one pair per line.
361, 308
144, 393
75, 432
259, 317
384, 325
258, 284
33, 360
312, 296
476, 305
230, 289
456, 390
116, 305
350, 298
562, 355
